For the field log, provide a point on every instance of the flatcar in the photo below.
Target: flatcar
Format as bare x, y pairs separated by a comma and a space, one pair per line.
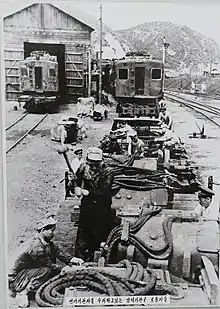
39, 81
138, 85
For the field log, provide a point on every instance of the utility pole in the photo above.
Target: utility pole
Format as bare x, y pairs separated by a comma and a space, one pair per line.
89, 71
165, 46
210, 68
100, 58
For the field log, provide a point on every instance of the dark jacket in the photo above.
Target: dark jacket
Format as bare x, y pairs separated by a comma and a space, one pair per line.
38, 253
98, 184
96, 217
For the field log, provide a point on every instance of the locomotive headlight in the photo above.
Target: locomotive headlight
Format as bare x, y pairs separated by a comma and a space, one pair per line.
129, 197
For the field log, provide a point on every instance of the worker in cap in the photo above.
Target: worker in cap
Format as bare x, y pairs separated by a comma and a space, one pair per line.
205, 193
35, 262
125, 128
136, 145
78, 159
94, 154
168, 137
205, 198
165, 118
96, 217
110, 144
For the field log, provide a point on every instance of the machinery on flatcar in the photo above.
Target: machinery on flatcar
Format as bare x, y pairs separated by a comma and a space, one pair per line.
39, 81
138, 85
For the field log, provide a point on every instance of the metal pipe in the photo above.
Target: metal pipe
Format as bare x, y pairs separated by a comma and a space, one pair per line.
165, 46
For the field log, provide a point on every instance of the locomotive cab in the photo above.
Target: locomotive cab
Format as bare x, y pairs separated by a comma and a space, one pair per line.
139, 85
38, 80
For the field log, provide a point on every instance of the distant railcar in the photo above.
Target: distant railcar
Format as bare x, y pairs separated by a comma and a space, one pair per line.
138, 85
39, 81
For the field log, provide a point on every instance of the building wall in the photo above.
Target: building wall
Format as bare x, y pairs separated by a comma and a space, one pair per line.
43, 23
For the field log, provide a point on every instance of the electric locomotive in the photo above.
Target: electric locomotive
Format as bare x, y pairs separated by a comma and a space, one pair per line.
39, 81
138, 85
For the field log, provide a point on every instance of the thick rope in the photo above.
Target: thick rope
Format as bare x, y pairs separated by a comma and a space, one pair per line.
164, 252
137, 281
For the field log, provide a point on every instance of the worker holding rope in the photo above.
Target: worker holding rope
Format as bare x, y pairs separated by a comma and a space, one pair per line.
96, 216
36, 262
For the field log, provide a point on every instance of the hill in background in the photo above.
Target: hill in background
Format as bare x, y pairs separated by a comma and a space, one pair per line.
189, 51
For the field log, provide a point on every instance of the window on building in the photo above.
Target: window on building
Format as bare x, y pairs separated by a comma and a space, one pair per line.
52, 72
156, 74
123, 73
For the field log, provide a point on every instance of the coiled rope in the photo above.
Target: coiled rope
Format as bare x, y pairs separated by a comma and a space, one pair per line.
164, 252
137, 281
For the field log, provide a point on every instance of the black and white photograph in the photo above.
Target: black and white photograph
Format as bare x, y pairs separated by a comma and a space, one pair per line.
111, 128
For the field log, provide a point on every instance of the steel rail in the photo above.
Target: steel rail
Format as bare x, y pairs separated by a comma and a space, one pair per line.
202, 106
14, 123
197, 109
20, 139
199, 95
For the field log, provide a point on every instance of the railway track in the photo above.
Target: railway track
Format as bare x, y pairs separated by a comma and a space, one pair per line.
206, 110
16, 136
200, 95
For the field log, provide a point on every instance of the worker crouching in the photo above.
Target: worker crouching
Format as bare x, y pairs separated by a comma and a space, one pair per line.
36, 262
96, 216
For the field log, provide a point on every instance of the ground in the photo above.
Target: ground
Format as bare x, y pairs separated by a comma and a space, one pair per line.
204, 152
35, 169
34, 172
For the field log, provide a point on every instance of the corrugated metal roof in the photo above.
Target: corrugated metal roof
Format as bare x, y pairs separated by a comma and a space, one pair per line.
12, 7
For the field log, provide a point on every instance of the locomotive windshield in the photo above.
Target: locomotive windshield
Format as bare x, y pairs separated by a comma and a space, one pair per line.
156, 74
123, 73
52, 72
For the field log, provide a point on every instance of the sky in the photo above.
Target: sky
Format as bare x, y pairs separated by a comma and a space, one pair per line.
199, 15
203, 17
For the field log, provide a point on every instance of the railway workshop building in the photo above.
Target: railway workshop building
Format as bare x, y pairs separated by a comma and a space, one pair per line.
61, 33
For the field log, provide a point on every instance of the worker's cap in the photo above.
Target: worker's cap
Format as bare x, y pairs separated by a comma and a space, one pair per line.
78, 150
94, 154
48, 221
205, 192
